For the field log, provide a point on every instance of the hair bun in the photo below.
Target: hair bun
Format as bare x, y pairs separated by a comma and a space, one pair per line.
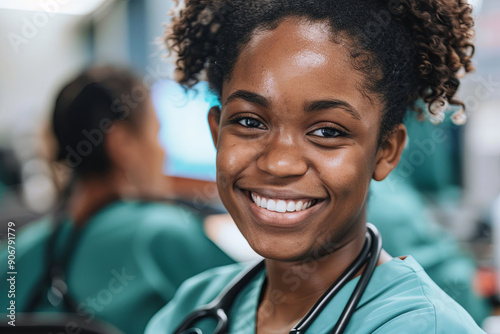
443, 34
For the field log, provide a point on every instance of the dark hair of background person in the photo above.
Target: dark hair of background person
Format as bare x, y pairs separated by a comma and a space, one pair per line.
408, 49
92, 103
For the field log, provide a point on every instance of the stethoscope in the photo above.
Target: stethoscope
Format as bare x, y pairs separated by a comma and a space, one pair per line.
220, 306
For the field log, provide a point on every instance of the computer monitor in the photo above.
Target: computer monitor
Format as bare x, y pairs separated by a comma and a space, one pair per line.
184, 131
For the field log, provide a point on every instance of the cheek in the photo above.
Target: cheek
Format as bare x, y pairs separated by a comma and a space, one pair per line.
347, 174
233, 157
152, 154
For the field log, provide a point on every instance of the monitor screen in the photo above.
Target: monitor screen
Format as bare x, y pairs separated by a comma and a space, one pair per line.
184, 131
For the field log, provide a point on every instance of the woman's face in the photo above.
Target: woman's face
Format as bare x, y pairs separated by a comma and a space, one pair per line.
297, 142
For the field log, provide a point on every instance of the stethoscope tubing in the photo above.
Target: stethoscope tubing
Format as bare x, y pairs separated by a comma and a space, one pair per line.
349, 274
217, 309
360, 288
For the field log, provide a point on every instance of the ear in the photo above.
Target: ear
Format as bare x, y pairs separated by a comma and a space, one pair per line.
389, 154
213, 122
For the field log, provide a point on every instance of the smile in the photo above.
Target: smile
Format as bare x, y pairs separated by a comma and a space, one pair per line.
281, 205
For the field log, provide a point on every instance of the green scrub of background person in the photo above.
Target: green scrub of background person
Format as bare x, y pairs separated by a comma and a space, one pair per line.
121, 259
130, 259
399, 212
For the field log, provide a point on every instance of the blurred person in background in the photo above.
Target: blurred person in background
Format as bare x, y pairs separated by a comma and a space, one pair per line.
8, 172
400, 213
428, 175
109, 252
10, 184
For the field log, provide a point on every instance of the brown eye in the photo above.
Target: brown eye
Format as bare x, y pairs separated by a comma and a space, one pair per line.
250, 123
327, 133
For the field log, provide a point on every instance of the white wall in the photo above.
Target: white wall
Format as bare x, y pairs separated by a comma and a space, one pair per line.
33, 62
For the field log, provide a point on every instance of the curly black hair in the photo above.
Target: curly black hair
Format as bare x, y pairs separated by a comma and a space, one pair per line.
409, 49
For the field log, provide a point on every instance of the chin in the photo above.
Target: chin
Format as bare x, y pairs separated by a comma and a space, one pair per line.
281, 248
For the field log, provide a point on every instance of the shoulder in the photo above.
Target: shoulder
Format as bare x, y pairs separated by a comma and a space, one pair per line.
159, 217
141, 220
167, 231
408, 301
35, 233
166, 226
155, 214
29, 251
168, 244
29, 242
196, 291
203, 288
431, 320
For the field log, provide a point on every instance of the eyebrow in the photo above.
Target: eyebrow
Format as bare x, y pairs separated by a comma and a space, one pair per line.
330, 104
249, 97
309, 107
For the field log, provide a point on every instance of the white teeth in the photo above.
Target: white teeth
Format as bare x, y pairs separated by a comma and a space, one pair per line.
281, 206
271, 205
263, 203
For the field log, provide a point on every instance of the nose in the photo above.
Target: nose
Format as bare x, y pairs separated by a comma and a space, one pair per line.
283, 157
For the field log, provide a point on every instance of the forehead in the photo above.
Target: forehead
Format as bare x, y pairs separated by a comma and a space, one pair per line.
299, 55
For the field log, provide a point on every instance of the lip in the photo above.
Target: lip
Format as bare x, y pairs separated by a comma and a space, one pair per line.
277, 219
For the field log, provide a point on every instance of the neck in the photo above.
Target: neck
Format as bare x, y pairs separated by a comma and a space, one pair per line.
90, 195
294, 287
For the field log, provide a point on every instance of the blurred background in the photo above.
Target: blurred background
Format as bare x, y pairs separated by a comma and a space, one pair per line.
44, 43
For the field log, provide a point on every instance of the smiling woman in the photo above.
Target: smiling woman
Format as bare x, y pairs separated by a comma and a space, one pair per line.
283, 142
313, 94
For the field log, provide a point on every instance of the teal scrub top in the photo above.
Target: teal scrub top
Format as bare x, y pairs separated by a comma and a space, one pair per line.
400, 298
130, 259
